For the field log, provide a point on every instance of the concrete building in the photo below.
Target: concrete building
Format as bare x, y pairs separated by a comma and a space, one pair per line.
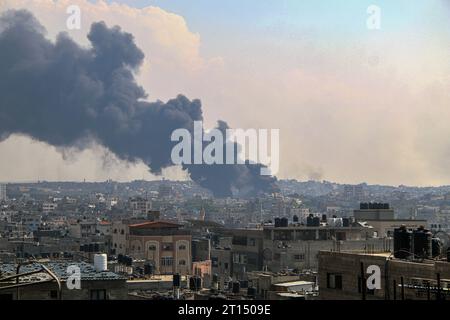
139, 206
164, 244
49, 207
340, 277
246, 251
382, 219
297, 246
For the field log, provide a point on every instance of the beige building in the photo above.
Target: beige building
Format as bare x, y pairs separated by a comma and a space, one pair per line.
297, 246
382, 219
164, 244
340, 277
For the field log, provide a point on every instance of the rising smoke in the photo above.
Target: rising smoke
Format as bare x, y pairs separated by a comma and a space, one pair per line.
67, 95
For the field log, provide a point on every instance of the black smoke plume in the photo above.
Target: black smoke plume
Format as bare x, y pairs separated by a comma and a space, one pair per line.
64, 95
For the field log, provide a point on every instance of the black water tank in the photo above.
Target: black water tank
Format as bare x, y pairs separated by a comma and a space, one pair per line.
363, 206
402, 242
176, 280
309, 221
277, 222
192, 284
295, 219
251, 292
422, 243
128, 261
148, 268
230, 285
345, 222
324, 218
316, 221
284, 222
91, 247
435, 247
120, 258
244, 284
96, 247
236, 287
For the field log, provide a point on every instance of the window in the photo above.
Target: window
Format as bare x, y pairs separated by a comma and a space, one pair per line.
182, 262
166, 261
98, 294
152, 247
226, 265
334, 281
252, 242
167, 246
182, 247
115, 230
299, 257
122, 231
239, 240
239, 258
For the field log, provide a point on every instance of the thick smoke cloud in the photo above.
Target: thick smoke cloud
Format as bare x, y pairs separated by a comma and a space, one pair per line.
67, 95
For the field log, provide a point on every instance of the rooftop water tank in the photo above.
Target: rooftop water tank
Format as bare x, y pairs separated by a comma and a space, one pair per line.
100, 262
422, 243
345, 222
402, 243
316, 221
236, 287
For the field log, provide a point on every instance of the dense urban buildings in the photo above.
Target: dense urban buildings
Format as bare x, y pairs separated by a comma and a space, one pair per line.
280, 246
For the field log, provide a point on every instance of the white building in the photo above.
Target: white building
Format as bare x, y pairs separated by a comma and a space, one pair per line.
49, 207
140, 206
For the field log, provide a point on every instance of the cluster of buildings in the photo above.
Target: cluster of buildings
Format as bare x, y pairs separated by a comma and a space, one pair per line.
159, 244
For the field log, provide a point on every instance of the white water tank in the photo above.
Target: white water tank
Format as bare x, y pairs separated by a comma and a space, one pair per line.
100, 262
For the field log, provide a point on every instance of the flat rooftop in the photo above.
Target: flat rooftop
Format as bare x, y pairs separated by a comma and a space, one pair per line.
87, 270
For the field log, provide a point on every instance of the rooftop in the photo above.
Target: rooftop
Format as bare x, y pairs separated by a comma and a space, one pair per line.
88, 271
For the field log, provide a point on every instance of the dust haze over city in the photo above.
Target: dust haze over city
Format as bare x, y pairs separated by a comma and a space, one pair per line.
277, 150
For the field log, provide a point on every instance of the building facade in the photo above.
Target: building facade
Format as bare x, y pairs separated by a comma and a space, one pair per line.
163, 244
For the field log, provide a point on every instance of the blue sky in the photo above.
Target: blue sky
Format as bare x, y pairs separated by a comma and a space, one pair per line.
352, 104
226, 25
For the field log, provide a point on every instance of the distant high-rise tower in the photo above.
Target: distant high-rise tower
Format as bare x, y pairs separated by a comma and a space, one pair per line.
202, 214
3, 192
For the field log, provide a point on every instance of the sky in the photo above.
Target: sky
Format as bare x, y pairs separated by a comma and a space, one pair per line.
352, 104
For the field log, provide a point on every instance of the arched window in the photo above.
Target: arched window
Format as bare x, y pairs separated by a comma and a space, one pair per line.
181, 247
152, 247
